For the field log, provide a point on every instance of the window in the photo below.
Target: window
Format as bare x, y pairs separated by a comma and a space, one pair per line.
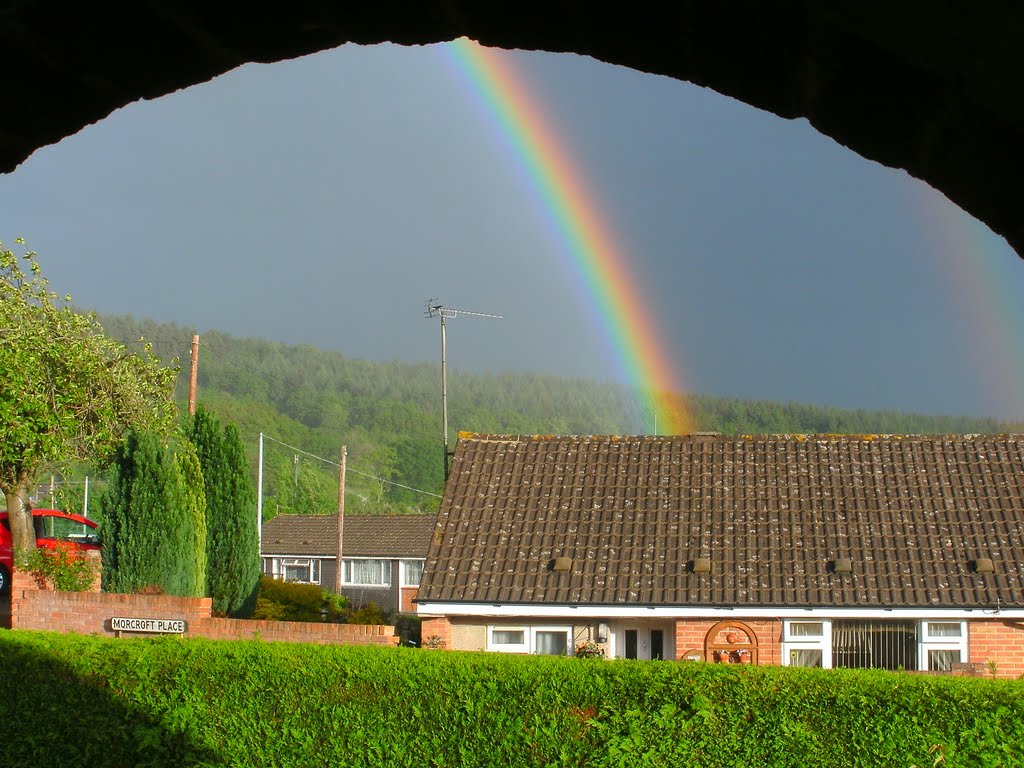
546, 641
866, 644
874, 644
370, 573
943, 644
507, 639
412, 573
551, 642
302, 569
64, 529
806, 643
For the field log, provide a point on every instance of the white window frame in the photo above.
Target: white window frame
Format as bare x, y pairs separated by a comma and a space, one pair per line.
568, 637
523, 647
275, 567
795, 642
403, 580
928, 642
385, 572
529, 644
310, 564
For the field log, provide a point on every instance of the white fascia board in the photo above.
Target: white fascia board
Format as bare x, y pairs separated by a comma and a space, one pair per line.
700, 612
296, 557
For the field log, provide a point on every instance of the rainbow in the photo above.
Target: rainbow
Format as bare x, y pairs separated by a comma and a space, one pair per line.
591, 252
984, 280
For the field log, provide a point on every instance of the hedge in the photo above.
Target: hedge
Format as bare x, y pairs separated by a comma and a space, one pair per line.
78, 700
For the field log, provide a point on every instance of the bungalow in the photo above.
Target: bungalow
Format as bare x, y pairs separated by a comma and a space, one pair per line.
808, 550
382, 561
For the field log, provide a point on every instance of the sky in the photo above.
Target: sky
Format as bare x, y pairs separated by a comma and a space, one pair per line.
324, 200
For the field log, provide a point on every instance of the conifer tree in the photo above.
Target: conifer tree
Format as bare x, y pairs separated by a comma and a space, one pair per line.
150, 533
232, 548
194, 499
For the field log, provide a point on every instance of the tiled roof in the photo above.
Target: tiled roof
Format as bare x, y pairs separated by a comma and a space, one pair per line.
772, 513
387, 536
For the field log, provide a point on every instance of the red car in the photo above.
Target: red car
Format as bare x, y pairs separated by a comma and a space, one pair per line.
53, 529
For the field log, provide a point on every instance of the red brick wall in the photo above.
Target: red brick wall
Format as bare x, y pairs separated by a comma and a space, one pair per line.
441, 628
998, 641
406, 601
691, 634
88, 613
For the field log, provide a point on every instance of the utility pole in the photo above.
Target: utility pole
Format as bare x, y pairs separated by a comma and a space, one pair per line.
436, 309
339, 577
193, 371
259, 496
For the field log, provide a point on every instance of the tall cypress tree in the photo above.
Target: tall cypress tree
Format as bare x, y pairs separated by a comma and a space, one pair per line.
194, 500
232, 541
150, 535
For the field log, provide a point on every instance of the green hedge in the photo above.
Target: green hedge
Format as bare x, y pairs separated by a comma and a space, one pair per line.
292, 601
75, 700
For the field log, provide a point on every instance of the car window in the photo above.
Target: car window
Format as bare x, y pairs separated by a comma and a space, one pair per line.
64, 529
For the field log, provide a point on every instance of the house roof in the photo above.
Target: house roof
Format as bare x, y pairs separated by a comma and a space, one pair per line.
387, 536
772, 514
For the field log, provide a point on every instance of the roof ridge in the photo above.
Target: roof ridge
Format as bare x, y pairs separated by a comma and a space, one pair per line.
486, 437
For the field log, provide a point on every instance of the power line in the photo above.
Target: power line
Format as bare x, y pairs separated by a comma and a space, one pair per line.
349, 468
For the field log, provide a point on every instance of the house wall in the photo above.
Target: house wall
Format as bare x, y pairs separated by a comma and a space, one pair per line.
90, 613
440, 628
468, 636
994, 641
691, 634
406, 604
329, 574
391, 599
386, 598
989, 641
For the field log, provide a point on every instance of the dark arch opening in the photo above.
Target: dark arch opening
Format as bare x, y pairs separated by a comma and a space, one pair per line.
938, 93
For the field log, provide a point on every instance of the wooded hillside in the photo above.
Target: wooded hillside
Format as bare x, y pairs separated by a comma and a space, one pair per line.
389, 415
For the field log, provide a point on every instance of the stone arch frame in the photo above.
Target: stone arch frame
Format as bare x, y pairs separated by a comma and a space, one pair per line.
934, 94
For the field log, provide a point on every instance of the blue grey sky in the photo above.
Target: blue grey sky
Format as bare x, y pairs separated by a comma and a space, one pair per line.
321, 201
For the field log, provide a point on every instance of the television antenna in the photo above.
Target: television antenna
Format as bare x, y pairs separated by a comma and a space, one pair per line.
437, 309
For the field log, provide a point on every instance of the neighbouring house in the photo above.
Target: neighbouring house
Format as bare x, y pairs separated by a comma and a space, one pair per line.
899, 552
382, 558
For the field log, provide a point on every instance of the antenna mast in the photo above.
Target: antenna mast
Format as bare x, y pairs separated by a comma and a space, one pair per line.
436, 309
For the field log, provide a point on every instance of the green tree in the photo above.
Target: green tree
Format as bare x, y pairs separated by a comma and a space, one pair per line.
298, 486
193, 498
232, 548
67, 392
153, 534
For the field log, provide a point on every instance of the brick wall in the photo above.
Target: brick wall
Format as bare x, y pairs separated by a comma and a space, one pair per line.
998, 641
691, 634
90, 613
440, 628
408, 595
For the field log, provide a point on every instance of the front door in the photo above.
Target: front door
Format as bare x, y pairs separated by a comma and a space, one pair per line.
640, 641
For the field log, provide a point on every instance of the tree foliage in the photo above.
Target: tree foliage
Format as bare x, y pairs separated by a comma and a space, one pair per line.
67, 391
232, 549
154, 531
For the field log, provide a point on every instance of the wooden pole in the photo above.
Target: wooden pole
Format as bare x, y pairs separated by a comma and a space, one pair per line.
192, 375
340, 574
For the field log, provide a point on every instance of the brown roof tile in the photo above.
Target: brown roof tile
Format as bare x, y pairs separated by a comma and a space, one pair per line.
389, 536
771, 512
